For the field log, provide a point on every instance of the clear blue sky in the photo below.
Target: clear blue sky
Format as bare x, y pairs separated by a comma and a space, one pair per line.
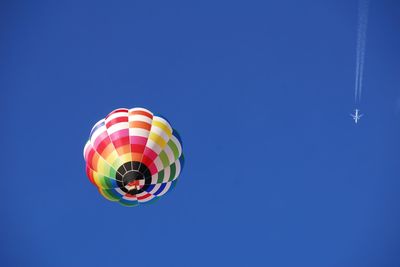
277, 173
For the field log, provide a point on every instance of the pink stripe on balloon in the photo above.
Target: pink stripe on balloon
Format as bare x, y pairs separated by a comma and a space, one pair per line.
100, 138
119, 134
138, 140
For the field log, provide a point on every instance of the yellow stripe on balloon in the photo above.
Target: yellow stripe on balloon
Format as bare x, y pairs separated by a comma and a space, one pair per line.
162, 126
157, 139
111, 156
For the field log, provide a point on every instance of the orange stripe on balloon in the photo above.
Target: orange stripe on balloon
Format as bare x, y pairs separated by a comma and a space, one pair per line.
141, 112
124, 150
136, 156
140, 124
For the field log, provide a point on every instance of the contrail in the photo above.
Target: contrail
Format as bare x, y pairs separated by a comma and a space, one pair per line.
361, 40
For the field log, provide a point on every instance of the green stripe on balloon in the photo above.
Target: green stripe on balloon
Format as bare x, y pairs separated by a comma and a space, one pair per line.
164, 159
172, 172
160, 177
174, 148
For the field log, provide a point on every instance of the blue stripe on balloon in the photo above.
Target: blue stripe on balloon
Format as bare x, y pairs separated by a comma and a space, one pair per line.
160, 189
97, 126
149, 188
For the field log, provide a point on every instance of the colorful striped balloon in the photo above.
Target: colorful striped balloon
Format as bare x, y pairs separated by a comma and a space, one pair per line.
133, 156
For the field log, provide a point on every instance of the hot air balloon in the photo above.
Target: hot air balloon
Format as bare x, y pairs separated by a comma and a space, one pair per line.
133, 156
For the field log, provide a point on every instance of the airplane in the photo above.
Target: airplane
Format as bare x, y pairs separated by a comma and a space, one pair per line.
356, 116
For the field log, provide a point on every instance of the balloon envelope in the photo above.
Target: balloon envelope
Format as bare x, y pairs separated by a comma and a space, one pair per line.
133, 156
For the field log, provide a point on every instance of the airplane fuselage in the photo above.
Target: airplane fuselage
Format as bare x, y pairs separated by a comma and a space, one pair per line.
356, 116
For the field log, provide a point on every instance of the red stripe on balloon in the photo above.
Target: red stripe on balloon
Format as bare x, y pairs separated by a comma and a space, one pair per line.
137, 148
102, 145
121, 142
144, 197
116, 120
117, 111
